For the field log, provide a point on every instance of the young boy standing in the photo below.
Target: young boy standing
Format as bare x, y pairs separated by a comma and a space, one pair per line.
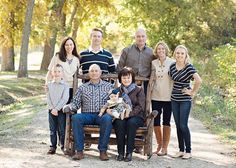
57, 97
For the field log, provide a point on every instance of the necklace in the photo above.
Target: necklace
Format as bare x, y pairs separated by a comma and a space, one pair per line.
69, 60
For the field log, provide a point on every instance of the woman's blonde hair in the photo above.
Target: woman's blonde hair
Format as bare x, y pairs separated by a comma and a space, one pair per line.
164, 45
187, 59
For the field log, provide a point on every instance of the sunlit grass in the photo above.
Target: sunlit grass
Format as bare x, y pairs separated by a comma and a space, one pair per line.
18, 115
13, 89
20, 100
217, 113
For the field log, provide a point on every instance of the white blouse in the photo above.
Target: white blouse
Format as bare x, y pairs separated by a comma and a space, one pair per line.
69, 69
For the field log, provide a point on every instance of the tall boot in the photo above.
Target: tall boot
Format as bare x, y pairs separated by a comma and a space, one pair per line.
158, 133
166, 140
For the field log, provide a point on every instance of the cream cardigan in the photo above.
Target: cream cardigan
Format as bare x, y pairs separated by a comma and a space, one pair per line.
163, 83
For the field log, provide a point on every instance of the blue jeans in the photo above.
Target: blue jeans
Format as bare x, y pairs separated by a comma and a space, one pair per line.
81, 119
57, 123
181, 111
125, 133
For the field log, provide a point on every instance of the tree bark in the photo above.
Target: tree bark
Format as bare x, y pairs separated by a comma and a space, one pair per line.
50, 42
75, 28
49, 47
23, 69
7, 63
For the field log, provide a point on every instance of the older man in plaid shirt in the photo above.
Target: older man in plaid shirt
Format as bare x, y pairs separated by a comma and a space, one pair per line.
90, 97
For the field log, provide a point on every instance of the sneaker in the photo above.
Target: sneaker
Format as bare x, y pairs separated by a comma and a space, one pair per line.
51, 151
178, 154
187, 156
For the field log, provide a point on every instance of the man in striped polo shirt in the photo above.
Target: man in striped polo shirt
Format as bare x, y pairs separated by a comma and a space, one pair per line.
95, 54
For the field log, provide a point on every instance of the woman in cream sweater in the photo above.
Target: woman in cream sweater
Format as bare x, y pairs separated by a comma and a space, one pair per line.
161, 96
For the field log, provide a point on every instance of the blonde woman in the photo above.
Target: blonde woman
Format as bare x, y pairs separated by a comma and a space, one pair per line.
182, 72
161, 96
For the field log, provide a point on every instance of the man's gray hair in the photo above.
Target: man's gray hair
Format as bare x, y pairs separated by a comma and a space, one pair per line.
140, 30
94, 66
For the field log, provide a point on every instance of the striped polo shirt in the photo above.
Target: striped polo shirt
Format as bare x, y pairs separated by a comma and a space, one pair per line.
181, 80
103, 58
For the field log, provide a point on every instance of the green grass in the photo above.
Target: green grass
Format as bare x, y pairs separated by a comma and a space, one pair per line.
17, 115
14, 90
30, 72
217, 113
20, 100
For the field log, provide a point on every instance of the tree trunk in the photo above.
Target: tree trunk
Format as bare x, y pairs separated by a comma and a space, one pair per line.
23, 70
7, 62
63, 25
7, 59
49, 47
50, 42
75, 28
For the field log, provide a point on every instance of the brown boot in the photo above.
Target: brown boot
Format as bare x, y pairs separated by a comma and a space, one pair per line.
166, 140
158, 133
103, 156
78, 155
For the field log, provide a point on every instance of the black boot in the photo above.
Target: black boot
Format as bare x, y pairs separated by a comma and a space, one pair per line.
120, 157
128, 157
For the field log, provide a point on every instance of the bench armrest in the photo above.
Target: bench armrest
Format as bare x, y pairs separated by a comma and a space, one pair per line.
151, 117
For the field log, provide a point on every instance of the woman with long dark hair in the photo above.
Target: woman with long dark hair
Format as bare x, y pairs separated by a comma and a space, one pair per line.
68, 58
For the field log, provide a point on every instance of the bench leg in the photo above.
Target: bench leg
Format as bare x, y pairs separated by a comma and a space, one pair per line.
69, 145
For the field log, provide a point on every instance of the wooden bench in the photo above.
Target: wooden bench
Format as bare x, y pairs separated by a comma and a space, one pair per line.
146, 132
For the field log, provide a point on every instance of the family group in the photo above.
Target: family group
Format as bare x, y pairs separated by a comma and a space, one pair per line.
121, 108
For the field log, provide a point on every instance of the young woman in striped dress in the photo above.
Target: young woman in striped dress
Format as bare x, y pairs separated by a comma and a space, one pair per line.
182, 72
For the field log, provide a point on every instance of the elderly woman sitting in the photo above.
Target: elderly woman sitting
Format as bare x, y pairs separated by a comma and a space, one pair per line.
125, 129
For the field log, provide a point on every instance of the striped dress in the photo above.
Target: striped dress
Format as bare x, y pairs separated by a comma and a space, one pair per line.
181, 80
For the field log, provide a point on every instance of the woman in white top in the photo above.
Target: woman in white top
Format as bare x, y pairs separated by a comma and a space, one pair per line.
68, 58
161, 96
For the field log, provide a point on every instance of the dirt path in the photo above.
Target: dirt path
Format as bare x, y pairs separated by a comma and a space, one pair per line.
28, 149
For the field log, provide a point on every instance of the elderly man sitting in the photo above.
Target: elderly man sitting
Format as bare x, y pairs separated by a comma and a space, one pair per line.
90, 97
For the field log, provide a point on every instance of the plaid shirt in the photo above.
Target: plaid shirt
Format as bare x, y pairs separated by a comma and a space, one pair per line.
91, 97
